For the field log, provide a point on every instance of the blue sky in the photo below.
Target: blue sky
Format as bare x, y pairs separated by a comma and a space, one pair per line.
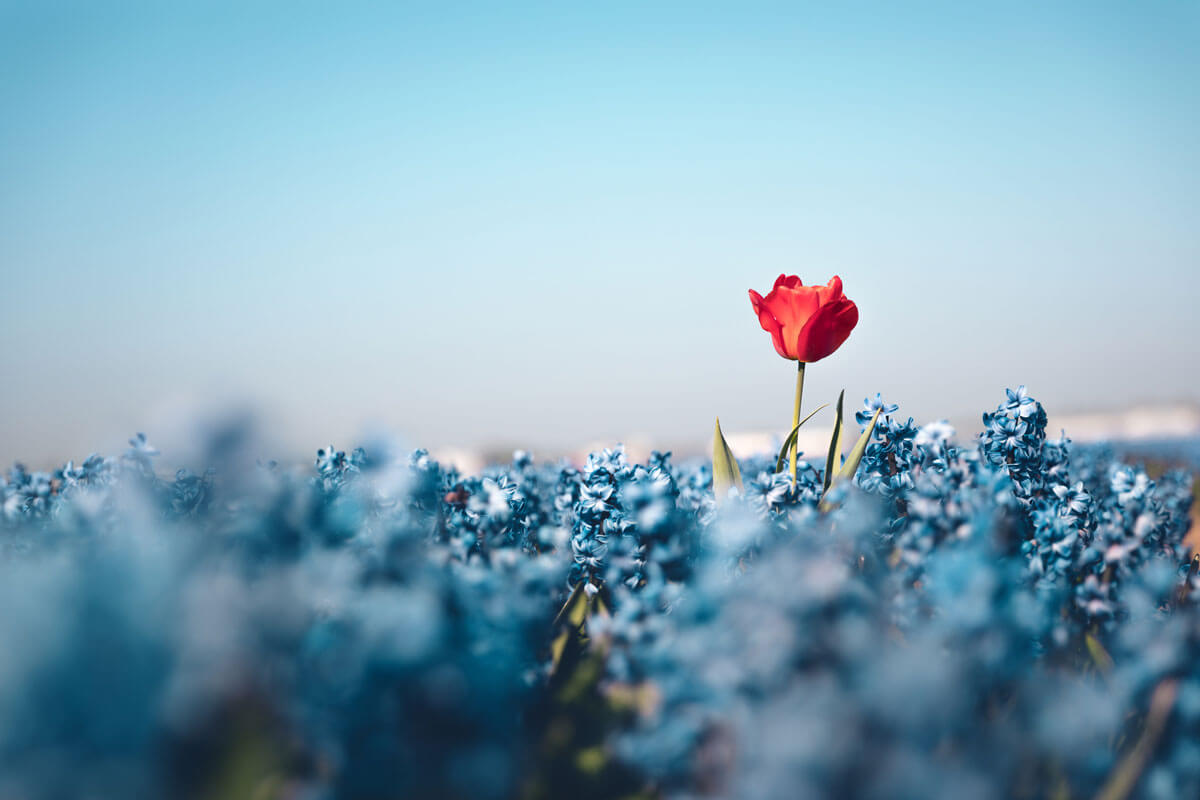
480, 224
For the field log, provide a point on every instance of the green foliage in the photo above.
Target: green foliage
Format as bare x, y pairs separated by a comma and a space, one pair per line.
725, 470
833, 461
847, 470
791, 439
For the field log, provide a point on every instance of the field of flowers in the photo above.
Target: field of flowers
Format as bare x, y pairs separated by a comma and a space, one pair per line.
975, 616
1008, 616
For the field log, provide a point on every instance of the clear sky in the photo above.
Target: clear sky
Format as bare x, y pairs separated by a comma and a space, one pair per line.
511, 223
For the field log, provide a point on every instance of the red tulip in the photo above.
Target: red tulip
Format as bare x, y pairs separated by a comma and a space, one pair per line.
806, 323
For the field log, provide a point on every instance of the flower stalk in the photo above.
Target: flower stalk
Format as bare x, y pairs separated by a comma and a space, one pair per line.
796, 416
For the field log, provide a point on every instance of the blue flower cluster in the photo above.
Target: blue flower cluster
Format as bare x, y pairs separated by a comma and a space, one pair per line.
1008, 616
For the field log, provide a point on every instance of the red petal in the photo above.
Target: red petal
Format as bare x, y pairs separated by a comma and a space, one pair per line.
794, 307
832, 291
768, 321
826, 330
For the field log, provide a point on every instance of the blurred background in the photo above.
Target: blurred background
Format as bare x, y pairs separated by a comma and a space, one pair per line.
498, 225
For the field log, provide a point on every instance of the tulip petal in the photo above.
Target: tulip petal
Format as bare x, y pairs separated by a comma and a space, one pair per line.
793, 308
831, 292
768, 322
826, 330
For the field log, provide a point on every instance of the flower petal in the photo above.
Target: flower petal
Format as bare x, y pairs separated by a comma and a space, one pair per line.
769, 322
826, 330
832, 291
793, 308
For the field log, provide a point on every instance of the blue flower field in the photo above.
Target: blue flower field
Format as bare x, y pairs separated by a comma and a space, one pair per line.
986, 615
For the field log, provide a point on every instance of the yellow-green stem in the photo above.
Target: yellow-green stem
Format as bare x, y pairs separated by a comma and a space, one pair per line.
796, 415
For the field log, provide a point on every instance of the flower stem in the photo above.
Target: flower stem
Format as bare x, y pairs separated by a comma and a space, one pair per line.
796, 415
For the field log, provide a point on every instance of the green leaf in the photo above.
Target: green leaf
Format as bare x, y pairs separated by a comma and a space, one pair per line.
575, 609
568, 624
852, 461
1124, 778
851, 466
791, 437
726, 474
1104, 661
833, 462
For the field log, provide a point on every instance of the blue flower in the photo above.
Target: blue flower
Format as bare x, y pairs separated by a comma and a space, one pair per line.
769, 492
1020, 404
1073, 501
870, 406
140, 454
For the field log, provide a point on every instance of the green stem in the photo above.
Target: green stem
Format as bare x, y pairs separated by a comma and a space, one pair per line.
796, 415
